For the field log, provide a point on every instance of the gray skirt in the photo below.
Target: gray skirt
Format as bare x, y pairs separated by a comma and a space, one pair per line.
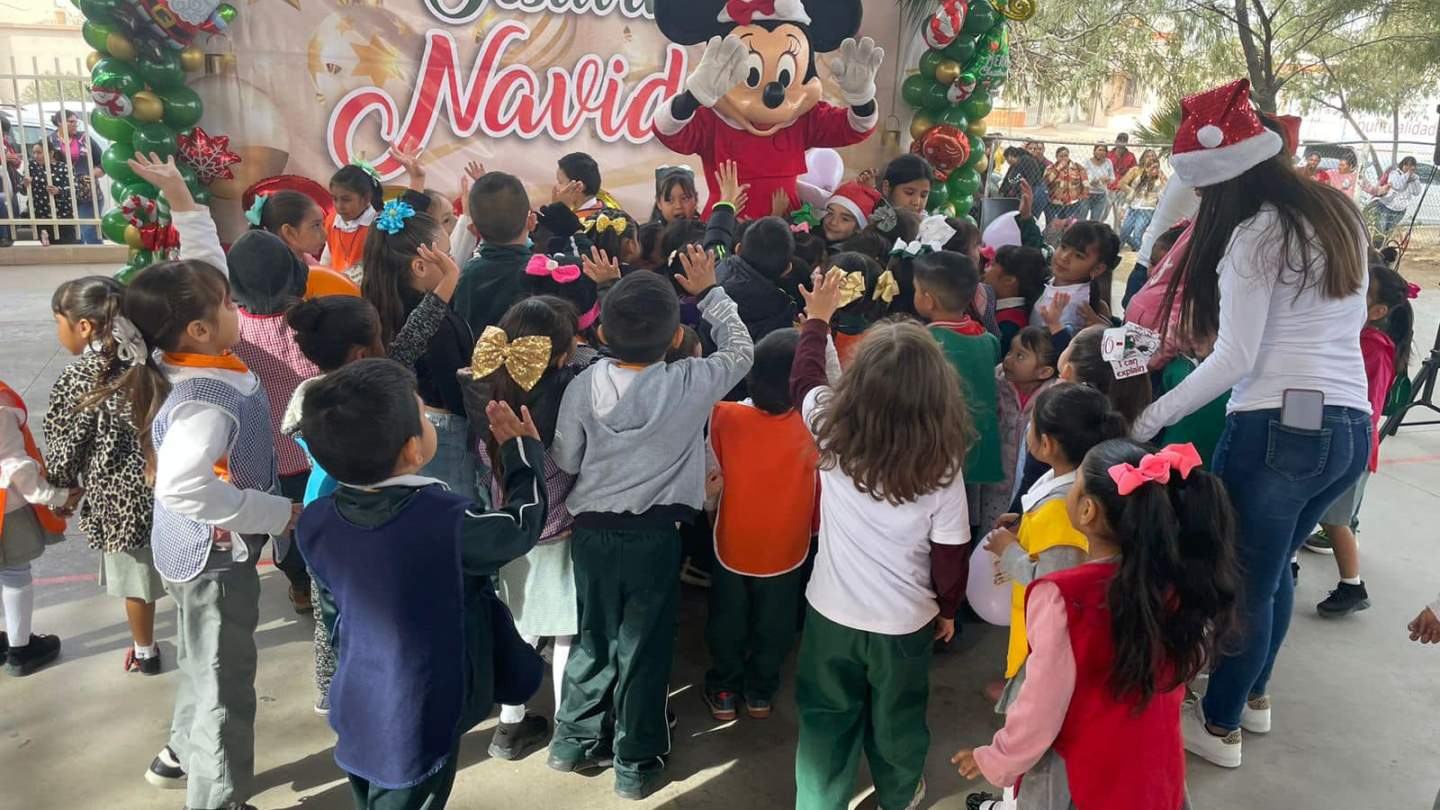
131, 574
539, 589
23, 539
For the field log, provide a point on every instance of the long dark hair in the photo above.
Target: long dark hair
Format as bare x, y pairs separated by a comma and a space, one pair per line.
1130, 396
361, 182
1174, 599
283, 208
1028, 266
96, 299
1077, 417
387, 261
1392, 290
535, 316
327, 329
1086, 234
667, 183
1317, 224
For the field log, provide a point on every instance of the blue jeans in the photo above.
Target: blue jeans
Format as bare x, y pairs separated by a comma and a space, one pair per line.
1388, 218
1095, 206
454, 462
89, 234
1132, 230
1280, 480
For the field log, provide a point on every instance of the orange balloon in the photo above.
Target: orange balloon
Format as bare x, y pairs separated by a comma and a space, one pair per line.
323, 281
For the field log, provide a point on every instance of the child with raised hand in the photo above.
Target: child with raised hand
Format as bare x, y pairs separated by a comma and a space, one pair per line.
1029, 369
525, 363
763, 525
298, 220
1088, 253
631, 429
1385, 344
31, 518
1068, 421
358, 199
1114, 641
892, 436
945, 285
91, 441
1017, 274
399, 557
865, 293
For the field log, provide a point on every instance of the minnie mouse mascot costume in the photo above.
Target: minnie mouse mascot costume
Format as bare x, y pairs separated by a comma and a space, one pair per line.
755, 96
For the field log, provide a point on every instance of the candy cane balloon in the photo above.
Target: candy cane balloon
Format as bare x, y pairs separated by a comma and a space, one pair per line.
944, 25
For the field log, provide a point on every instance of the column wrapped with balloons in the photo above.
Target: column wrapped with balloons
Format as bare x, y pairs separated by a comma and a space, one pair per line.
966, 62
144, 52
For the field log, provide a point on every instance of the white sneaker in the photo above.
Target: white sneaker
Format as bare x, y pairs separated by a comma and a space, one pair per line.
1255, 718
1222, 751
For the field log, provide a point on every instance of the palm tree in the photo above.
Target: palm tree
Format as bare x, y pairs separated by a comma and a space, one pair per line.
1160, 129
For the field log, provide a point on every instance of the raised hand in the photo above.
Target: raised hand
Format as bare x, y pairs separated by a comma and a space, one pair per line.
504, 424
165, 176
721, 67
1052, 311
475, 169
600, 267
571, 193
855, 69
699, 267
823, 297
780, 203
443, 265
410, 161
730, 188
1027, 200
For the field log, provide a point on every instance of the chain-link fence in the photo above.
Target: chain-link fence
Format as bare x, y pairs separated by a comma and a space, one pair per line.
53, 188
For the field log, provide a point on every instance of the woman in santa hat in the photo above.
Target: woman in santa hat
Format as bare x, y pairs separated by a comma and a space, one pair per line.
1276, 271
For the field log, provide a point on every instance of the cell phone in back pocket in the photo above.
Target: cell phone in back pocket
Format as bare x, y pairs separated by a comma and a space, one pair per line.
1302, 409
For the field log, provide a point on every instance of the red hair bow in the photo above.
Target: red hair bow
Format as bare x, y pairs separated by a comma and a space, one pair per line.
541, 265
1412, 290
1156, 467
743, 11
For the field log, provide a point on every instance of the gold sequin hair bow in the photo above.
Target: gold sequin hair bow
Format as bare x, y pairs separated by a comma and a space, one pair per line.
525, 359
886, 287
605, 222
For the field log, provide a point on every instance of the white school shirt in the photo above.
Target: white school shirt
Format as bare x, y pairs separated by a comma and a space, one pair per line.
873, 569
1079, 294
20, 476
185, 479
1272, 336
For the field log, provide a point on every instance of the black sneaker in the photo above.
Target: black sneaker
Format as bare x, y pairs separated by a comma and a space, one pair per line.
232, 807
4, 643
1344, 600
982, 801
22, 661
165, 771
515, 740
722, 705
144, 666
581, 765
637, 786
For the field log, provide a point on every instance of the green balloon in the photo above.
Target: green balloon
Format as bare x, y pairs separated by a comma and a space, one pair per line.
201, 194
114, 162
961, 49
114, 74
156, 138
183, 107
186, 171
95, 34
134, 188
977, 106
955, 117
963, 184
127, 273
939, 197
929, 61
937, 97
977, 151
226, 13
980, 18
161, 70
98, 11
113, 225
108, 126
913, 89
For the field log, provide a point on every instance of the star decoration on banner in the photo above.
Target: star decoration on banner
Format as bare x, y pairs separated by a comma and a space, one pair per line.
209, 155
378, 60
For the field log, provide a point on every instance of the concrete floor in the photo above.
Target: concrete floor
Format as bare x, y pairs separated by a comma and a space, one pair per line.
1355, 702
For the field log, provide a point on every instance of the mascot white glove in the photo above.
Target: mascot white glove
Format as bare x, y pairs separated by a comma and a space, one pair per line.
855, 69
721, 68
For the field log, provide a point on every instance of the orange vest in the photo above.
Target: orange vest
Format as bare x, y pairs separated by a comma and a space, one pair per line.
49, 521
845, 346
346, 249
767, 508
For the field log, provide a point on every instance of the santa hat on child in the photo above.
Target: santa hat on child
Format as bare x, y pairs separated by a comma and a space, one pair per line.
1220, 136
857, 198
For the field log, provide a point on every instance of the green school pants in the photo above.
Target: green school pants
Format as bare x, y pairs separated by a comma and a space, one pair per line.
750, 630
856, 688
628, 588
431, 794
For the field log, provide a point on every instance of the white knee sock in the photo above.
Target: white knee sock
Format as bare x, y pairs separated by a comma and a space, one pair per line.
514, 714
559, 657
18, 595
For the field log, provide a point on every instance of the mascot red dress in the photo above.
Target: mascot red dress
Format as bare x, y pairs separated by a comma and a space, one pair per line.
754, 98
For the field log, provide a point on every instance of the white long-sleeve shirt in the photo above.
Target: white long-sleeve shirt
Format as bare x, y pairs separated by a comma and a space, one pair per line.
1273, 335
1178, 201
185, 480
20, 476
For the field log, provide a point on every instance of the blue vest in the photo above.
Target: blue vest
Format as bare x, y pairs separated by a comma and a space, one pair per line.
181, 545
400, 682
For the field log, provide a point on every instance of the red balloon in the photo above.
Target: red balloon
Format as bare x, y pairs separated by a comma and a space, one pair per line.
290, 182
946, 147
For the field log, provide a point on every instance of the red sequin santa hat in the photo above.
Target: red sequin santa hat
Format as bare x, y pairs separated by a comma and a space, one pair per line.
1220, 136
857, 198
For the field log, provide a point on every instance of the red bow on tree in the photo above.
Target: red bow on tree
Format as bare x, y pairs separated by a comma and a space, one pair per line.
744, 11
159, 237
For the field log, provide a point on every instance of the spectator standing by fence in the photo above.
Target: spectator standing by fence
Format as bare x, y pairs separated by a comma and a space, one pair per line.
1101, 174
1122, 161
1066, 181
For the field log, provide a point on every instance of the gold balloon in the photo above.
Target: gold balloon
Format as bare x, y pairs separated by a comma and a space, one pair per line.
977, 128
921, 124
192, 59
1018, 10
92, 58
982, 165
947, 71
148, 107
132, 236
120, 47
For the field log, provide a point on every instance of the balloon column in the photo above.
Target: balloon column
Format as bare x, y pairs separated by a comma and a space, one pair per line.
143, 51
967, 61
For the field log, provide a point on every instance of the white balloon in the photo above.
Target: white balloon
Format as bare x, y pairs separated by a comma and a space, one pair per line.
824, 170
990, 601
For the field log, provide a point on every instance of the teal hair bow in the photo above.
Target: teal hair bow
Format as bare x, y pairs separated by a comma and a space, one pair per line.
393, 215
256, 210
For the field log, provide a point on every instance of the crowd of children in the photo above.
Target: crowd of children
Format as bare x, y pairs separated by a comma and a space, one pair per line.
500, 435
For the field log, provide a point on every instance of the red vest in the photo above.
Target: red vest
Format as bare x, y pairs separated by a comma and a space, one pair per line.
1115, 757
49, 521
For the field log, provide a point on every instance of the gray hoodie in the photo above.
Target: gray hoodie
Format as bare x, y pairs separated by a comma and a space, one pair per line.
635, 437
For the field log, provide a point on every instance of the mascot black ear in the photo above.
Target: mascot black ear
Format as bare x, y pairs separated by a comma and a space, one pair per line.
691, 22
831, 22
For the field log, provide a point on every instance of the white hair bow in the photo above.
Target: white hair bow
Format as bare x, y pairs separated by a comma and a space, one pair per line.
129, 344
934, 233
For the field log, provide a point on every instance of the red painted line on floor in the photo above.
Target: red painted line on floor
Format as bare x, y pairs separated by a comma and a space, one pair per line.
71, 579
1411, 460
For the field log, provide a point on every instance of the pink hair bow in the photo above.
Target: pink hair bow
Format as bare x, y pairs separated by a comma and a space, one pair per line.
545, 266
800, 227
1412, 290
1156, 467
